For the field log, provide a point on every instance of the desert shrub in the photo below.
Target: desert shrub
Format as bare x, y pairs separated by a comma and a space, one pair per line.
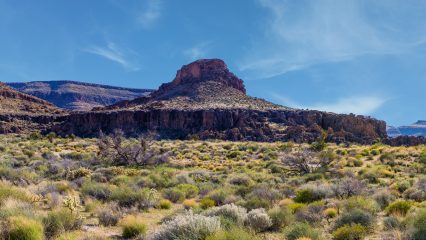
189, 204
108, 215
7, 191
219, 196
132, 227
401, 186
348, 187
165, 204
188, 226
391, 223
361, 202
188, 190
383, 198
207, 203
174, 195
358, 162
312, 214
305, 196
330, 213
419, 225
59, 221
233, 234
350, 232
98, 191
355, 216
22, 228
415, 193
141, 198
231, 212
399, 207
258, 220
320, 143
281, 217
387, 156
295, 207
241, 180
302, 230
422, 158
254, 202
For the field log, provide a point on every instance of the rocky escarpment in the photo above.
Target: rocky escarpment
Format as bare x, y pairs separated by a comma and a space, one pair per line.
207, 101
229, 124
78, 96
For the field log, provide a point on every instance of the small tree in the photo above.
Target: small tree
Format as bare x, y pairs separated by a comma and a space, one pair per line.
119, 151
306, 161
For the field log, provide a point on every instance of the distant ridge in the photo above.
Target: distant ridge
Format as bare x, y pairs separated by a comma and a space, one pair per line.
416, 129
79, 96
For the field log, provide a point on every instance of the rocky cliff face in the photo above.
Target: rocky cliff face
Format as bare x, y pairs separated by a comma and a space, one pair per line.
78, 96
229, 124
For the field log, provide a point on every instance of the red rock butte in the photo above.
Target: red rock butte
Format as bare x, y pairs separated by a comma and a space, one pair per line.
205, 70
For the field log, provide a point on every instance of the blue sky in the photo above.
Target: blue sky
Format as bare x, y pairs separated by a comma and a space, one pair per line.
360, 56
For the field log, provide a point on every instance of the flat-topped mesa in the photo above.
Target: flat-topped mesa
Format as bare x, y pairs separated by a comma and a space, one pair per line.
204, 70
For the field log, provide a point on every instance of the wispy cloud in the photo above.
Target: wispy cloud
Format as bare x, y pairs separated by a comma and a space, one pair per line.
151, 13
198, 51
363, 105
115, 54
300, 34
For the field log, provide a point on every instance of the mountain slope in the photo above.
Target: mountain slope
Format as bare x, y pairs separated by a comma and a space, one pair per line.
14, 102
78, 95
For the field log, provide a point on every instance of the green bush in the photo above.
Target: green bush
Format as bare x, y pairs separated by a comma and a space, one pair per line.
7, 191
22, 228
140, 198
281, 217
420, 225
173, 194
233, 234
165, 204
207, 203
300, 230
59, 221
383, 198
422, 158
350, 232
189, 190
360, 202
391, 223
255, 202
398, 207
356, 216
133, 227
305, 196
98, 191
258, 220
